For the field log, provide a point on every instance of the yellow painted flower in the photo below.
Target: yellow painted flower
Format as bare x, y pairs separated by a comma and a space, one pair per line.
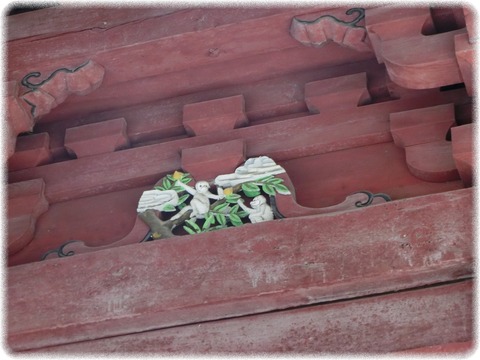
177, 175
228, 191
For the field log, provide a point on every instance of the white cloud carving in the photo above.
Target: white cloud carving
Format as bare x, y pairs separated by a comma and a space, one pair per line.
252, 169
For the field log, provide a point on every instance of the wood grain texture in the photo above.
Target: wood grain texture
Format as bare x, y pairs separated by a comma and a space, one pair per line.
381, 324
240, 271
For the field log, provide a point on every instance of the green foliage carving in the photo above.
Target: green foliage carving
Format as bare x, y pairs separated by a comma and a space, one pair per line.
225, 212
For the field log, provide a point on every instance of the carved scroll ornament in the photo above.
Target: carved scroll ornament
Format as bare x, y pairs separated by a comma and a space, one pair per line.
52, 91
327, 28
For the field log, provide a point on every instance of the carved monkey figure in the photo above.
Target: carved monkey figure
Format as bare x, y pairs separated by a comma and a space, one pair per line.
260, 210
200, 204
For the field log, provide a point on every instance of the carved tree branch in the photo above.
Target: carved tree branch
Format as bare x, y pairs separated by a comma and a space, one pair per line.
164, 229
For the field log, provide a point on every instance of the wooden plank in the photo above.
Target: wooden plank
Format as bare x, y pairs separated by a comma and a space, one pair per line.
65, 19
138, 166
267, 98
240, 271
103, 173
381, 324
189, 60
176, 31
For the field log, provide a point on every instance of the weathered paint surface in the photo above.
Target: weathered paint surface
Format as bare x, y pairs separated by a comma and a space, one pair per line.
372, 325
184, 56
240, 271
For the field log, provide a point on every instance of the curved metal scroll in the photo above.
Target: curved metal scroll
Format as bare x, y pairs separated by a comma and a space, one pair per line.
26, 79
352, 23
370, 198
59, 251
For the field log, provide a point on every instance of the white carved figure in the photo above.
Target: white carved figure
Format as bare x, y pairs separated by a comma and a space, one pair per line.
260, 210
157, 200
200, 204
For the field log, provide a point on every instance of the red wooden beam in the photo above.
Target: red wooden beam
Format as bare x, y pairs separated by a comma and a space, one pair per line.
419, 319
241, 271
314, 134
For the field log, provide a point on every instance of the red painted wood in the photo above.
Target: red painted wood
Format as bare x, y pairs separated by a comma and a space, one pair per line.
18, 119
465, 57
410, 66
97, 221
55, 91
323, 27
325, 180
340, 92
263, 99
26, 202
30, 151
374, 325
103, 173
432, 161
240, 271
385, 23
422, 132
397, 38
288, 206
469, 14
64, 19
421, 126
198, 55
464, 348
319, 134
207, 162
163, 23
213, 116
253, 68
203, 64
463, 153
93, 139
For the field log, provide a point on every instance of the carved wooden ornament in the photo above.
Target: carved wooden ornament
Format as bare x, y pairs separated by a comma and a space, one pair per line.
328, 28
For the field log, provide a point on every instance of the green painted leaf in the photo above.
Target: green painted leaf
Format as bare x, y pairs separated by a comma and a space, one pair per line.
178, 188
220, 207
181, 206
282, 189
185, 179
269, 189
190, 231
235, 220
208, 222
183, 198
242, 214
252, 194
194, 225
275, 181
166, 184
232, 198
250, 187
170, 177
218, 227
234, 209
169, 208
221, 219
159, 188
